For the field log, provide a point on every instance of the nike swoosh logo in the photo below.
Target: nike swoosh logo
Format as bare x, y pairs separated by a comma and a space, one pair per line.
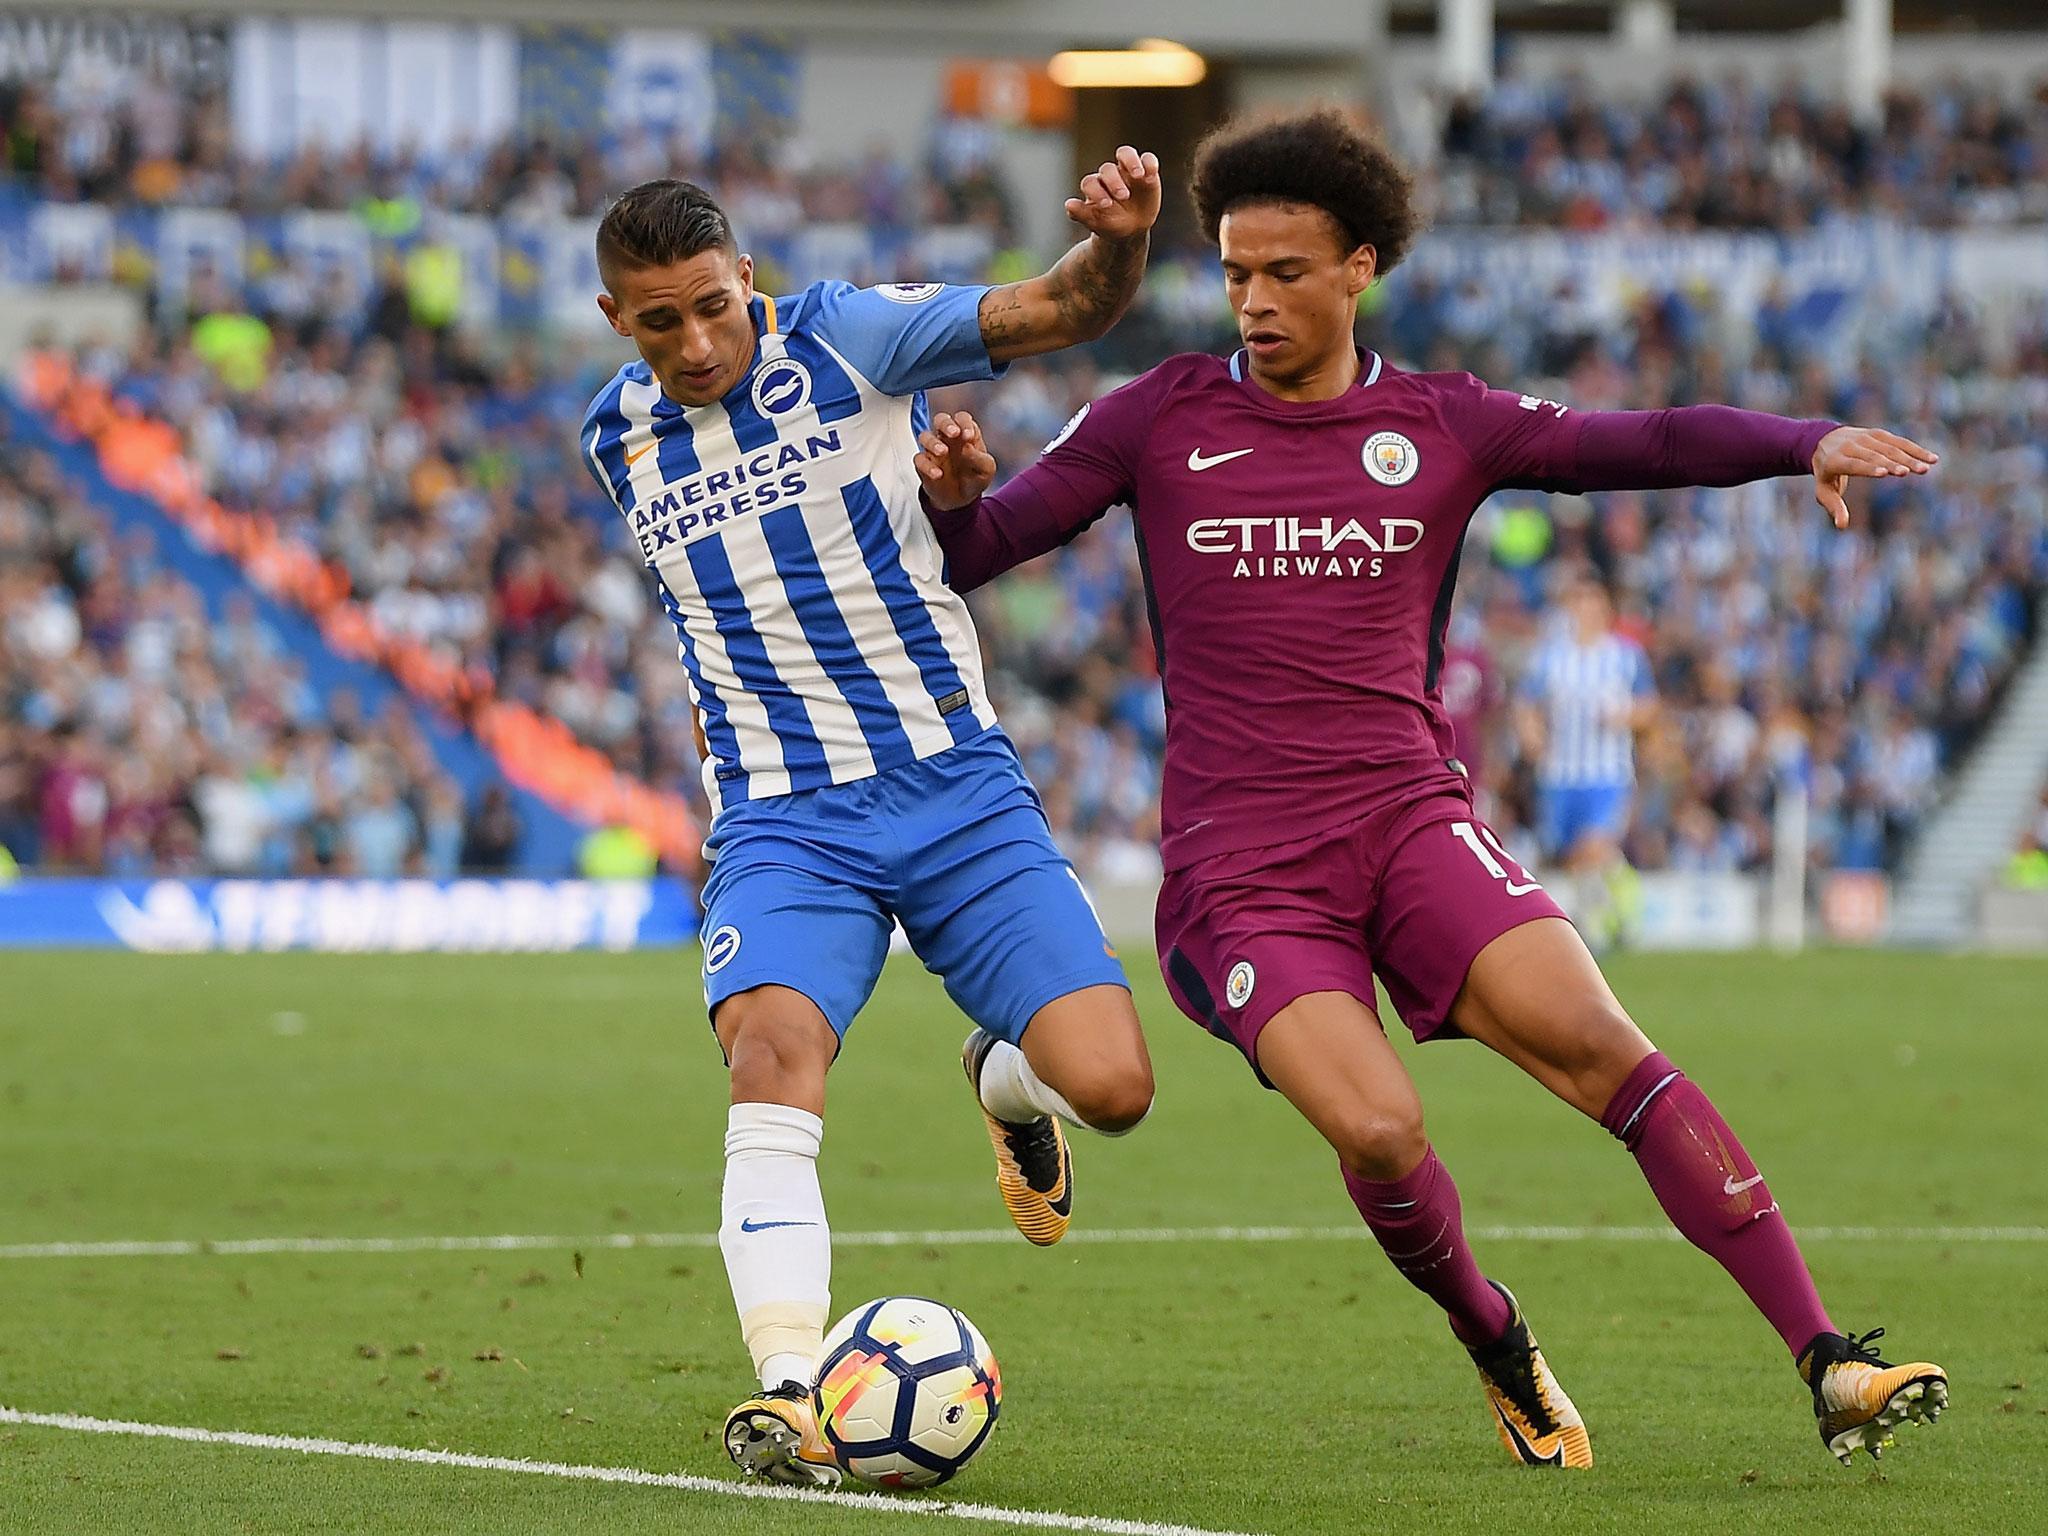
1523, 890
1198, 463
1523, 1448
1730, 1187
640, 453
1064, 1205
751, 1225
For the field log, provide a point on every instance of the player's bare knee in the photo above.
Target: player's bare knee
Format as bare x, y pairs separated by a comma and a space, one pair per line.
1380, 1142
1115, 1102
775, 1050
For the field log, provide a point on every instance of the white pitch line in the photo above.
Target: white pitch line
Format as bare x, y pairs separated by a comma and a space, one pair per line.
974, 1236
873, 1503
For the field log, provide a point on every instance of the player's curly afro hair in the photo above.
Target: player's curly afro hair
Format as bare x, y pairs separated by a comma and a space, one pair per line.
1318, 158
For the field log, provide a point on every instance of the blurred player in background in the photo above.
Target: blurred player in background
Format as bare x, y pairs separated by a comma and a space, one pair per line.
1586, 695
1300, 508
760, 453
1471, 688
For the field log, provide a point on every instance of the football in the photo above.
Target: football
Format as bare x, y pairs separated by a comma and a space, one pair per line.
907, 1392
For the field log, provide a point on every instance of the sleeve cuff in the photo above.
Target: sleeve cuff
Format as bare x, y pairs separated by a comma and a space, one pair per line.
1809, 439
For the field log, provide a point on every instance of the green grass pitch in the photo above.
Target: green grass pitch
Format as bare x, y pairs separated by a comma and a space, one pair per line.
1284, 1387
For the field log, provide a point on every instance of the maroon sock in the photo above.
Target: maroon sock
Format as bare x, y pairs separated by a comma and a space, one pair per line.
1418, 1222
1714, 1196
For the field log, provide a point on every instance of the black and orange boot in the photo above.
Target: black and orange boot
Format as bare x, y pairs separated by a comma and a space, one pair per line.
1034, 1169
1536, 1421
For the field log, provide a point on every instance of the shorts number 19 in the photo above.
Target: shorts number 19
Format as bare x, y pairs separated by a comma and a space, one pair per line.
1470, 836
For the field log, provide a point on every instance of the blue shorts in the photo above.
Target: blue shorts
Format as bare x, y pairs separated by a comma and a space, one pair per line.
1569, 812
806, 889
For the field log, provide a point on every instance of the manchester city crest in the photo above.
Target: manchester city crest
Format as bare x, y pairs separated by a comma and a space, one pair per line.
1390, 458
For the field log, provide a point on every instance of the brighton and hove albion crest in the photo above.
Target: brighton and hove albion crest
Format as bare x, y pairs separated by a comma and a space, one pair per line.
909, 293
781, 385
720, 948
1390, 458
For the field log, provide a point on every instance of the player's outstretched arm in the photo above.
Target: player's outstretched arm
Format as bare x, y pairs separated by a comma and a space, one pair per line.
1088, 289
1526, 441
983, 535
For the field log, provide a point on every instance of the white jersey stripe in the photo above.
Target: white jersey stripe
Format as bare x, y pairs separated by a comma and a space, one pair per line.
853, 590
636, 400
790, 654
760, 748
919, 548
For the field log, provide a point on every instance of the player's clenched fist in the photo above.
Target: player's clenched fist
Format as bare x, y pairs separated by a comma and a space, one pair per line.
953, 463
1120, 197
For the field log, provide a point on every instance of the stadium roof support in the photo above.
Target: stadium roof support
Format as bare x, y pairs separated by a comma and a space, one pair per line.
1867, 44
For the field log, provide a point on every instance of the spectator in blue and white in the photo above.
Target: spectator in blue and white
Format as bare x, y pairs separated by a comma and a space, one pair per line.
1585, 693
380, 832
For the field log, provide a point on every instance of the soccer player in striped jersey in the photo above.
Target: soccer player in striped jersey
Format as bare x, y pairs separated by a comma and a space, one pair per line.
1299, 510
1587, 690
760, 452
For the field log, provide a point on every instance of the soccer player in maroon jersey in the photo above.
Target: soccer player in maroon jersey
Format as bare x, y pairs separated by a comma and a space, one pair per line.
1299, 509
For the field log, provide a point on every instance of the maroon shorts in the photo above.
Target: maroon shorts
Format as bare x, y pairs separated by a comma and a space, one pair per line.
1413, 894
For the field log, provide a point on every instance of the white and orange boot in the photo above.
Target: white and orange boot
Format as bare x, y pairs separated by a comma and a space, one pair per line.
1859, 1399
774, 1435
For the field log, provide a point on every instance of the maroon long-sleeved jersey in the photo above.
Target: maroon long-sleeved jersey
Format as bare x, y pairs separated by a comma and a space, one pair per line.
1300, 559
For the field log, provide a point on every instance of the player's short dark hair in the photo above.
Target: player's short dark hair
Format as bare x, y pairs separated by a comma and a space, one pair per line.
659, 223
1319, 158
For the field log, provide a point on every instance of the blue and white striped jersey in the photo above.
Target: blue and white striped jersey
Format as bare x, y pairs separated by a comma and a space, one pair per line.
783, 528
1586, 693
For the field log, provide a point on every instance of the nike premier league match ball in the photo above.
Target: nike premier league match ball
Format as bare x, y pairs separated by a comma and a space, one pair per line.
907, 1392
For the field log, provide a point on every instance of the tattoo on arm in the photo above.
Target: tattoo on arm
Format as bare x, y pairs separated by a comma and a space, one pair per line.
1094, 283
1085, 293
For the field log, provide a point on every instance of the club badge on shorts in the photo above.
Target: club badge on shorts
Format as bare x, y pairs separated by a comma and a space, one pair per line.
720, 948
1237, 987
1391, 459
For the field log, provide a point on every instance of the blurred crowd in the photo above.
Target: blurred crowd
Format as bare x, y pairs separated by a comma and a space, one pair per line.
447, 484
160, 144
139, 735
1729, 154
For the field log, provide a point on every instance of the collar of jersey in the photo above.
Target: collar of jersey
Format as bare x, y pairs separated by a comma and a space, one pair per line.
1370, 366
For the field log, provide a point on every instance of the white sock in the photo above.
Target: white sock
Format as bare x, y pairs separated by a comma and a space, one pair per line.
778, 1249
1011, 1091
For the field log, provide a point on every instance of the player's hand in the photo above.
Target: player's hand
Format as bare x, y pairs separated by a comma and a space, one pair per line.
1120, 198
953, 463
1863, 453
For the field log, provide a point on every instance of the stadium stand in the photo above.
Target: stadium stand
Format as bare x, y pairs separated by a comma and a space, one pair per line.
141, 736
434, 498
1728, 154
